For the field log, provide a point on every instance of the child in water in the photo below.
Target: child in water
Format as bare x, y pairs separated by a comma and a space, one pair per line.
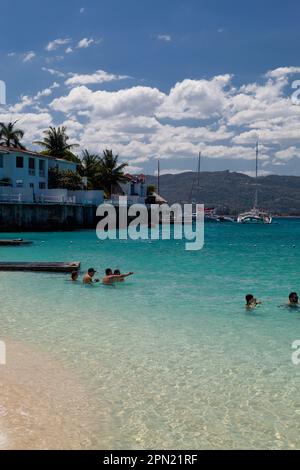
251, 301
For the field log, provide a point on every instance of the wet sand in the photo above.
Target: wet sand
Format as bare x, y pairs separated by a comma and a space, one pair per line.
43, 405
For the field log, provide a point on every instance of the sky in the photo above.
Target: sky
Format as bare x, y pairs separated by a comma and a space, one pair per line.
156, 79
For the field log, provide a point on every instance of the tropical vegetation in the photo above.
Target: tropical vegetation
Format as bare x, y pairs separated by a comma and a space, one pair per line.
100, 171
10, 135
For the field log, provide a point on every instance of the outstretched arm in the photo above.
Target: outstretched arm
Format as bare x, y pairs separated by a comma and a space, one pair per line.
122, 276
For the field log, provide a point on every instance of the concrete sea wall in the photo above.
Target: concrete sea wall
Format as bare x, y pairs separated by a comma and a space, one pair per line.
16, 217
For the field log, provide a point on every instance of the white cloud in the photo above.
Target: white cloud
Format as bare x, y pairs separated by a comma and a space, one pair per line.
69, 50
133, 101
198, 99
282, 72
54, 45
54, 72
29, 56
141, 123
288, 153
85, 42
164, 37
81, 10
100, 76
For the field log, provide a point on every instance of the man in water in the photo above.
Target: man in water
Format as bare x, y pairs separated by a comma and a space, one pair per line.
88, 277
251, 301
111, 278
293, 300
74, 276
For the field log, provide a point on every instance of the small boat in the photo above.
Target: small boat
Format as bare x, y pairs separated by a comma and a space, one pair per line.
14, 242
255, 215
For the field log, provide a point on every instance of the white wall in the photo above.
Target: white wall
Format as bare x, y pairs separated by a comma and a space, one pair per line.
88, 197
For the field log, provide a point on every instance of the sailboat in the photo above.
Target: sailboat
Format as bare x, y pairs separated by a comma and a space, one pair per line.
210, 213
255, 215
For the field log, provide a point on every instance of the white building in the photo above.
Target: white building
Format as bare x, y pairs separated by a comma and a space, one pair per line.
24, 178
134, 188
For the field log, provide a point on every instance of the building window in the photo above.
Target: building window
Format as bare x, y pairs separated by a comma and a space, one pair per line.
31, 185
19, 183
20, 162
42, 185
1, 161
42, 168
31, 166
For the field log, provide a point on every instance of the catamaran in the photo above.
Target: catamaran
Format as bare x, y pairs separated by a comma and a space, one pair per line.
255, 215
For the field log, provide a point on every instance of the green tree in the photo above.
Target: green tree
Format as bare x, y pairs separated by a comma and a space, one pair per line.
90, 168
64, 179
56, 144
10, 136
111, 172
151, 189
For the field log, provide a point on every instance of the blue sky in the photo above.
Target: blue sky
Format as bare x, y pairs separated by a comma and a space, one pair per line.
156, 78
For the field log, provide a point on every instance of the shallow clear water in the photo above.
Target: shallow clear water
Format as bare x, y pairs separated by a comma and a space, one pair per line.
171, 357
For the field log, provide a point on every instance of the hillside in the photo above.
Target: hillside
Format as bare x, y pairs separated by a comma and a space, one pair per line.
232, 192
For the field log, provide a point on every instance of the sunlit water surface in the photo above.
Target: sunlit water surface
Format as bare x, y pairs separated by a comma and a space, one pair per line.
171, 358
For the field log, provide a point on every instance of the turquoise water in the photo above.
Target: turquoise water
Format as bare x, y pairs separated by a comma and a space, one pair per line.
171, 357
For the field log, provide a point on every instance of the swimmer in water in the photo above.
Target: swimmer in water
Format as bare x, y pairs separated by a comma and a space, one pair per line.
74, 276
293, 300
111, 278
117, 272
251, 302
88, 277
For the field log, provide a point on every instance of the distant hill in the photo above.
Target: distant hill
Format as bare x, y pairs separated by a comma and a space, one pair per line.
232, 192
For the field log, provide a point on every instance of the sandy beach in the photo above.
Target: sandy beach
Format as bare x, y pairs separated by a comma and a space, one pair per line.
42, 405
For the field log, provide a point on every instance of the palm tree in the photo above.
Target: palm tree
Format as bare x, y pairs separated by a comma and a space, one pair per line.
90, 168
56, 144
10, 136
111, 173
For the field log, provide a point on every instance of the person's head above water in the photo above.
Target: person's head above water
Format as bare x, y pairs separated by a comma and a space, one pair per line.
74, 275
117, 272
293, 298
91, 272
249, 299
108, 272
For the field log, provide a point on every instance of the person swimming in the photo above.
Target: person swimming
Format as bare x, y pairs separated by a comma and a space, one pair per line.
74, 276
111, 278
293, 300
251, 301
88, 277
117, 272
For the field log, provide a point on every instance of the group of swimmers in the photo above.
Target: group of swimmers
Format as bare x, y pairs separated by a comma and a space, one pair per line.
252, 302
109, 278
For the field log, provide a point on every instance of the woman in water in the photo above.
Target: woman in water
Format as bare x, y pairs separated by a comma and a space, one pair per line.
251, 302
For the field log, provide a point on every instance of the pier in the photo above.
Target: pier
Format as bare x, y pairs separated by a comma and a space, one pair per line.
50, 267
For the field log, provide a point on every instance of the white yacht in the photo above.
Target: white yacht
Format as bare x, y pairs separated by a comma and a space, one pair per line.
255, 215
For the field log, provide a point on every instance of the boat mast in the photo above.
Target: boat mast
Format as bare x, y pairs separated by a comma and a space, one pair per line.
158, 177
199, 170
256, 175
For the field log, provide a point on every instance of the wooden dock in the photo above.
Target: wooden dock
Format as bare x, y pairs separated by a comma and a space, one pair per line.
40, 266
14, 242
